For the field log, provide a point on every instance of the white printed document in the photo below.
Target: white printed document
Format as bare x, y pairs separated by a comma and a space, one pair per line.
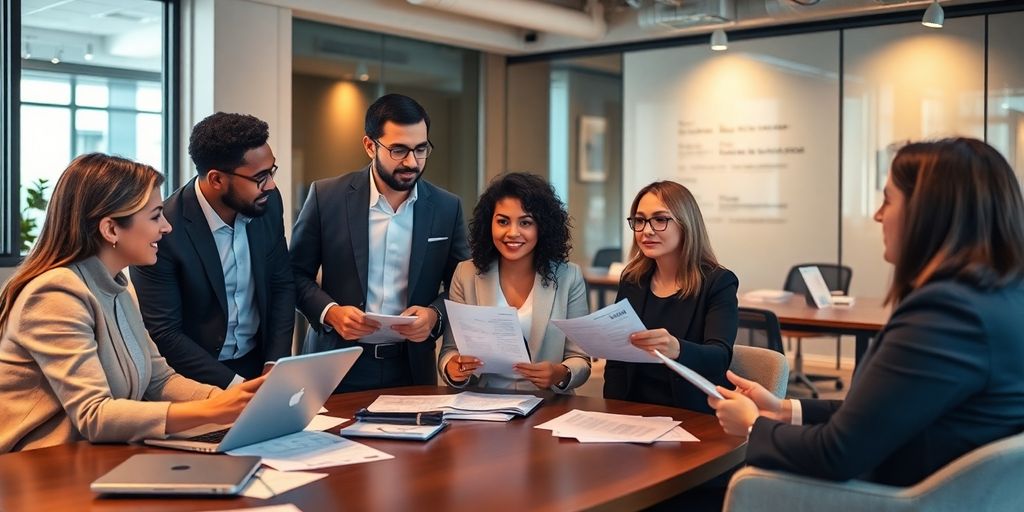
691, 376
269, 483
489, 333
311, 450
605, 333
590, 426
385, 334
460, 404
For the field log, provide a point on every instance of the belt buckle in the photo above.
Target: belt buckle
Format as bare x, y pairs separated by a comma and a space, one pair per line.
377, 352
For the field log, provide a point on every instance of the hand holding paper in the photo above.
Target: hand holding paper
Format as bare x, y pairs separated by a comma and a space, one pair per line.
691, 376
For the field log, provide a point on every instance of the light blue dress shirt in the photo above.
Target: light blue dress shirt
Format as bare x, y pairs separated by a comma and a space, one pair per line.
239, 285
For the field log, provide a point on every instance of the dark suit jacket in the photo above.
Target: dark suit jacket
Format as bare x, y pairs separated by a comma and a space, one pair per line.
332, 235
945, 376
183, 299
705, 325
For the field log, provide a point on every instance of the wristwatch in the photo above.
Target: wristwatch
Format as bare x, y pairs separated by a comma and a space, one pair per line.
564, 383
438, 329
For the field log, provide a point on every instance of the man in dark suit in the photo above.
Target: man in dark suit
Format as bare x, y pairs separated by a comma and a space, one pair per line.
385, 240
220, 300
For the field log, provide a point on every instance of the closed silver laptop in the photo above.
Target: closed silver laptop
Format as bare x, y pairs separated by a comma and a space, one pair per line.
178, 473
295, 390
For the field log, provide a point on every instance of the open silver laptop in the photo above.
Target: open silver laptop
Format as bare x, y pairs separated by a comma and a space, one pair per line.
178, 473
293, 393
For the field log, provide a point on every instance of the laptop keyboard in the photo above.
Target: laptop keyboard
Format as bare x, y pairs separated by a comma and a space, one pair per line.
210, 437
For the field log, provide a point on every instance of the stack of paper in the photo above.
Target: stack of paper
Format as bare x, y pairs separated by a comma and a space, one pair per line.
462, 406
765, 295
602, 427
310, 450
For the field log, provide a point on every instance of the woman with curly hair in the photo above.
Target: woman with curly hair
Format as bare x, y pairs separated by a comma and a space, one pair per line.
519, 241
684, 296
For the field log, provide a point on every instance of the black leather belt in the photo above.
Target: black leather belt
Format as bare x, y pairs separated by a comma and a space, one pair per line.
385, 350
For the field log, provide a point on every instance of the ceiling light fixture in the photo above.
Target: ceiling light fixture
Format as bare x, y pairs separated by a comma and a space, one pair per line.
362, 72
28, 51
719, 41
56, 56
933, 15
88, 52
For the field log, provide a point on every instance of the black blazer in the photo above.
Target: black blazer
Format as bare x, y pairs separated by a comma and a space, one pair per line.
705, 325
331, 235
945, 376
182, 296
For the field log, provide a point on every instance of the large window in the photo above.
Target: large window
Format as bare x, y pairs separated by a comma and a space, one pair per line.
89, 76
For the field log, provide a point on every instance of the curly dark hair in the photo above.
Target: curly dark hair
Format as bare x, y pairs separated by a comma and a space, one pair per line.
221, 140
540, 201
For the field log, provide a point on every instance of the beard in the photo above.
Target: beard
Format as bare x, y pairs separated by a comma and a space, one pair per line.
249, 209
394, 183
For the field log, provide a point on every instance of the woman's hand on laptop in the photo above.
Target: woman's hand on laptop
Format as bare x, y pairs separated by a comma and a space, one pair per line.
221, 408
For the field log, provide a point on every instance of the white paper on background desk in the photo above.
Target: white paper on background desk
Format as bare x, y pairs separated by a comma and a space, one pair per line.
321, 422
605, 333
605, 427
271, 482
693, 377
385, 334
272, 508
311, 450
489, 333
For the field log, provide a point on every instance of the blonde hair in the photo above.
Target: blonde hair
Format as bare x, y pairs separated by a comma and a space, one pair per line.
695, 254
94, 186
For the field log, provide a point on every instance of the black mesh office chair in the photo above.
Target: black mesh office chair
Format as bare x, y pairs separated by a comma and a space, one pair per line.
837, 278
606, 256
759, 328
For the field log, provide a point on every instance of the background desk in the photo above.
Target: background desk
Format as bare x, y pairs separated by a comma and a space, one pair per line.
470, 466
598, 280
863, 320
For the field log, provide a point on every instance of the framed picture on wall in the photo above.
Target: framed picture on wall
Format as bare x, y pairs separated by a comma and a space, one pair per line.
592, 165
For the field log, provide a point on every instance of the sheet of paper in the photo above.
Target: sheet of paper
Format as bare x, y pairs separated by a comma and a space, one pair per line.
323, 410
816, 284
691, 376
605, 333
271, 482
385, 334
491, 334
411, 403
272, 508
470, 401
610, 427
311, 450
321, 422
479, 416
677, 434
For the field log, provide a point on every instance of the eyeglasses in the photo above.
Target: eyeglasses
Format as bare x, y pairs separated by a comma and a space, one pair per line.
658, 223
260, 179
399, 152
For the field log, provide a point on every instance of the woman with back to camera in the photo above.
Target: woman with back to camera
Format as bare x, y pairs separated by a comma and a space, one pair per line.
519, 240
75, 359
943, 377
685, 298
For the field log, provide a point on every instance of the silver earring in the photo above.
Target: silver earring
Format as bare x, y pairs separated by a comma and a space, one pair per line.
114, 245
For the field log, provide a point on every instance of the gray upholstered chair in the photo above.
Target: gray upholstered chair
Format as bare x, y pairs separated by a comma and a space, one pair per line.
766, 367
988, 478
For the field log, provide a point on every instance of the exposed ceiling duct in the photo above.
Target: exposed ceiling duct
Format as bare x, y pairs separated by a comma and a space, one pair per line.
689, 14
530, 14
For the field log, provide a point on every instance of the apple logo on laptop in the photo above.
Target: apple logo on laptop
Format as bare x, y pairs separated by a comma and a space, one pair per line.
296, 398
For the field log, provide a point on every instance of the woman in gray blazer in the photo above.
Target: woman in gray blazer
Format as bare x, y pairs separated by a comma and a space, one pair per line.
519, 240
944, 375
75, 359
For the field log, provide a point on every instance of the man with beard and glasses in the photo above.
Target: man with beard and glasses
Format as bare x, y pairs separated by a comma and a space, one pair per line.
385, 240
220, 300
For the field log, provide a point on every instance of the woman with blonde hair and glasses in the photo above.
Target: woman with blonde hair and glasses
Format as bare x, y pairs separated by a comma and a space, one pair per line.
75, 359
944, 376
682, 294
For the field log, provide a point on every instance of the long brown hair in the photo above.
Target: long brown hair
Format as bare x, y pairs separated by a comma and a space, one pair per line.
94, 186
695, 254
964, 216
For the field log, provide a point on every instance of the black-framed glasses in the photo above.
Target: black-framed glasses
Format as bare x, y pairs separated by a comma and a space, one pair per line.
658, 223
399, 152
260, 179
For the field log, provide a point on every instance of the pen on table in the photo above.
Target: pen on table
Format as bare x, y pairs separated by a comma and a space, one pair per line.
401, 418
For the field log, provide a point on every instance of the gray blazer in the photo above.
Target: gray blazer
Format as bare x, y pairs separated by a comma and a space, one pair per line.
565, 298
66, 372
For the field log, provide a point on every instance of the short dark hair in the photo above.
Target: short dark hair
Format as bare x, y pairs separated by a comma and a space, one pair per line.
221, 140
540, 201
398, 109
964, 216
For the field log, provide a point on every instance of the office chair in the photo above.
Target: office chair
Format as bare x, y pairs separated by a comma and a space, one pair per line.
837, 278
606, 256
757, 354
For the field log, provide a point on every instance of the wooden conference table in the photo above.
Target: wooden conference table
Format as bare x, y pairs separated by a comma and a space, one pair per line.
469, 466
862, 320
